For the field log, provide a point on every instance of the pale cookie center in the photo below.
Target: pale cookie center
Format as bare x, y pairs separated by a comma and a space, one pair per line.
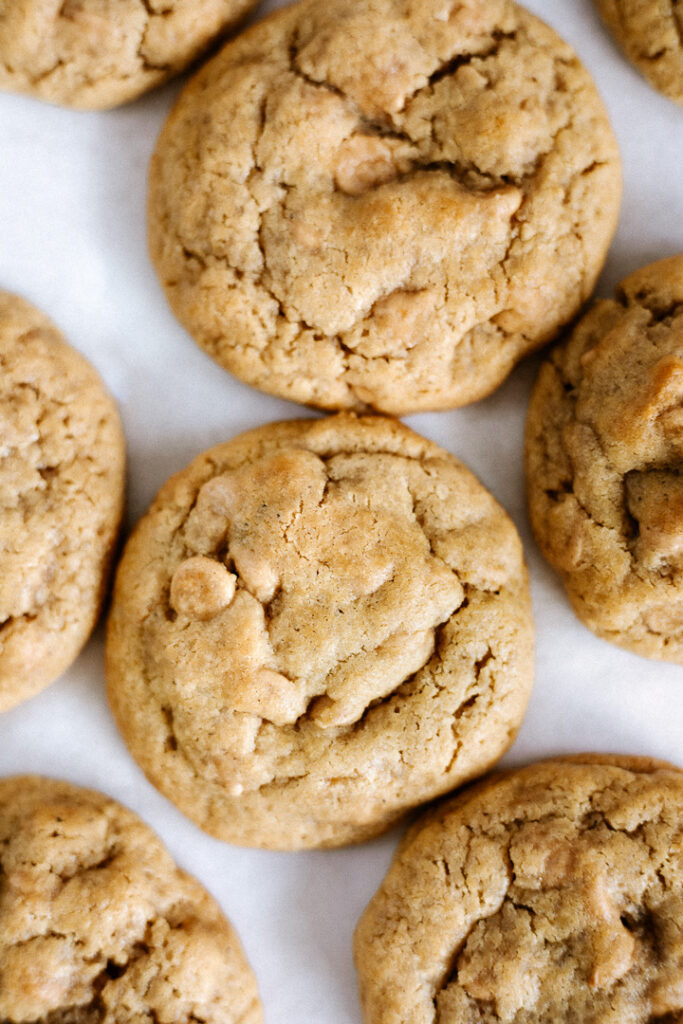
339, 593
201, 588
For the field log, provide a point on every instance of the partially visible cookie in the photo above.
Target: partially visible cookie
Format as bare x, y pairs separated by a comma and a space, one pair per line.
384, 203
61, 499
317, 626
95, 54
604, 462
554, 893
98, 925
651, 34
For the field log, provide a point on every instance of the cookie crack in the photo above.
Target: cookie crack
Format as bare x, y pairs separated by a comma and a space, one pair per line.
449, 974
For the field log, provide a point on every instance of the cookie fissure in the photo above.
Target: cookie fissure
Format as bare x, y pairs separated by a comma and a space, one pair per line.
460, 60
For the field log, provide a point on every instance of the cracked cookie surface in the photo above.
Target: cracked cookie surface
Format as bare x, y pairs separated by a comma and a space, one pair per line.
98, 925
651, 34
317, 626
61, 498
95, 54
604, 461
384, 203
551, 893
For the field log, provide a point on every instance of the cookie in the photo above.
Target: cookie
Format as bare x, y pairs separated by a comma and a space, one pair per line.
554, 893
604, 452
97, 924
317, 626
95, 54
651, 34
61, 499
384, 203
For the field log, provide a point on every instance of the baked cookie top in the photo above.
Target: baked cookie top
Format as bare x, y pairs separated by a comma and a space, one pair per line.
95, 54
98, 925
651, 34
552, 893
61, 497
604, 453
317, 626
384, 203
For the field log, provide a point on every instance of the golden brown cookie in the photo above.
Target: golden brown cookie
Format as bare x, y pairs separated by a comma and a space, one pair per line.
554, 893
98, 925
604, 454
95, 54
61, 498
317, 626
384, 203
651, 34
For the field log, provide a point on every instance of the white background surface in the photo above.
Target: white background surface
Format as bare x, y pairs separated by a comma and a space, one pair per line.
72, 240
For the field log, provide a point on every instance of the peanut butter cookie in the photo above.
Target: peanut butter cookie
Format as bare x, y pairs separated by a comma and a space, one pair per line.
651, 34
550, 894
95, 54
317, 626
384, 203
98, 925
61, 498
604, 454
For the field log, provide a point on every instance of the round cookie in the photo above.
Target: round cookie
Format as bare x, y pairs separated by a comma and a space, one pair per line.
551, 893
651, 34
98, 925
604, 453
384, 203
317, 626
61, 499
95, 54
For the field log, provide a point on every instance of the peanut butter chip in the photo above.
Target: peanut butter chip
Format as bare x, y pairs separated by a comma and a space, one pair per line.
364, 162
381, 614
201, 588
604, 462
549, 894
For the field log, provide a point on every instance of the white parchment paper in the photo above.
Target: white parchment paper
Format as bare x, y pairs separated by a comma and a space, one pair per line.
72, 240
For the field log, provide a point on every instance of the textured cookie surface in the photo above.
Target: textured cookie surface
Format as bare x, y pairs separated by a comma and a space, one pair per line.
61, 495
604, 453
98, 53
98, 925
315, 627
551, 894
384, 203
651, 34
